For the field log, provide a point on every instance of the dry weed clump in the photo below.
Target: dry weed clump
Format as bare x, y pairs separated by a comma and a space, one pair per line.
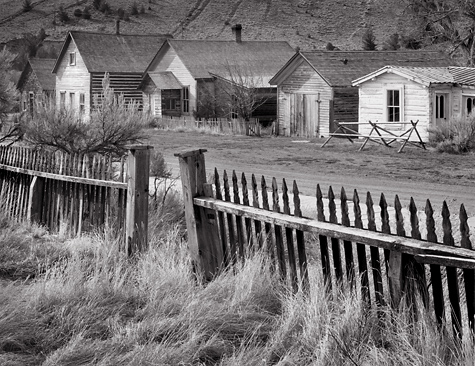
96, 306
457, 136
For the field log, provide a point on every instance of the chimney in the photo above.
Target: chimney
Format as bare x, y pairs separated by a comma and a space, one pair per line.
117, 26
237, 32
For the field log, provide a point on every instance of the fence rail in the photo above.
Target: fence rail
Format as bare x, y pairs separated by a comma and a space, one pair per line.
216, 125
77, 192
381, 258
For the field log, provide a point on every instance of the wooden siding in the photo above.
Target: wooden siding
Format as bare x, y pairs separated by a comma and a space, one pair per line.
304, 80
73, 79
125, 84
372, 101
171, 62
345, 107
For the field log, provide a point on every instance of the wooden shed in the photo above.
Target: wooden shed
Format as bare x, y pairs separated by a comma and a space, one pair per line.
188, 77
36, 83
86, 57
314, 88
430, 95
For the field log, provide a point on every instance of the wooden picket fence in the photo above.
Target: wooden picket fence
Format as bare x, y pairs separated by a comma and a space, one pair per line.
380, 258
214, 125
76, 193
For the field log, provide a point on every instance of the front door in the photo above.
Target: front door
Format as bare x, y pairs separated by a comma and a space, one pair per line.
441, 108
303, 114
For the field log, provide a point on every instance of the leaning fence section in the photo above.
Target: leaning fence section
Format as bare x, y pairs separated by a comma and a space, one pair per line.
384, 254
214, 125
77, 193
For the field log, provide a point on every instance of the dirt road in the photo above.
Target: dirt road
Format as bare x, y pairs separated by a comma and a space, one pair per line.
415, 173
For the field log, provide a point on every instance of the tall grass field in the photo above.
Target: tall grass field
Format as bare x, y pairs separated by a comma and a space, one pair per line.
79, 301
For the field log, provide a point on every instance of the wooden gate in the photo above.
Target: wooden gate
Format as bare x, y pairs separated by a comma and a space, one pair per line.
303, 113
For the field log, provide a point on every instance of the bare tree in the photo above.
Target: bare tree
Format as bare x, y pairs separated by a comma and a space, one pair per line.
112, 126
447, 20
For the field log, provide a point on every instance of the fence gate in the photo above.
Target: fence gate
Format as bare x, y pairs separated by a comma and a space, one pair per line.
303, 113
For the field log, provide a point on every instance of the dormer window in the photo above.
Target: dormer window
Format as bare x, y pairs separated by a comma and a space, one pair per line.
72, 58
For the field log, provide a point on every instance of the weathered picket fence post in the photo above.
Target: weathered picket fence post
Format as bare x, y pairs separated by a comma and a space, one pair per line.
136, 228
201, 223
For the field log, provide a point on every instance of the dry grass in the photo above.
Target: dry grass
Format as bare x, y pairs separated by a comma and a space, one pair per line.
95, 306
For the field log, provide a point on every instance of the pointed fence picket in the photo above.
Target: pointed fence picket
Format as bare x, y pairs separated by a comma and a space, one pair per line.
403, 264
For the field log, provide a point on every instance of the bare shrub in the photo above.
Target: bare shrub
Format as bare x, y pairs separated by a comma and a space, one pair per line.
455, 137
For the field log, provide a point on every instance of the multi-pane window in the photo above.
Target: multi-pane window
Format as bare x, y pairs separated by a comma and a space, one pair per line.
62, 100
72, 58
171, 101
72, 100
31, 101
440, 106
469, 105
82, 104
394, 105
186, 99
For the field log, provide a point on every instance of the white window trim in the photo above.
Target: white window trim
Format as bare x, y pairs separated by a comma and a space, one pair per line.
448, 112
72, 63
399, 87
463, 104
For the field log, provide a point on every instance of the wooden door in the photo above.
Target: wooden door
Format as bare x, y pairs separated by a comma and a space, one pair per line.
303, 112
441, 108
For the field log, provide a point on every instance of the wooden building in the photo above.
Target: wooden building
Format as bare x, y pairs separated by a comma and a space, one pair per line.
314, 88
194, 77
430, 95
86, 57
36, 83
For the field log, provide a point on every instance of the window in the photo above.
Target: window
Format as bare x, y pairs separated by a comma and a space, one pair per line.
62, 100
186, 99
72, 97
440, 106
72, 58
393, 105
171, 101
31, 102
82, 104
468, 104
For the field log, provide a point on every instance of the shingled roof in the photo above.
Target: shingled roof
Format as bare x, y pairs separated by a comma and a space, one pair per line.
114, 52
427, 75
340, 68
41, 67
204, 58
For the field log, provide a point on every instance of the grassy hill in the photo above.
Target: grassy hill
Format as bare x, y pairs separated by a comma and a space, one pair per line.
308, 24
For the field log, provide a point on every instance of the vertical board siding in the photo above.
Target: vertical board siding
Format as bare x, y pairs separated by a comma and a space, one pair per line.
304, 81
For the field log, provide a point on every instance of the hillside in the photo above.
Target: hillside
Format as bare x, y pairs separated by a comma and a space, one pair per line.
307, 24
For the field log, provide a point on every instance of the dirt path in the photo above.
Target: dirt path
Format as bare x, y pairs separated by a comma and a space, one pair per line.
416, 173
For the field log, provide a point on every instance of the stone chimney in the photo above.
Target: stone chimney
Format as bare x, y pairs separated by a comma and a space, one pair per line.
117, 26
237, 32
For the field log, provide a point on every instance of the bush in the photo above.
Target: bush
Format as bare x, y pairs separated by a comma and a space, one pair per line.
134, 9
105, 8
27, 6
369, 40
142, 9
85, 13
455, 137
78, 13
62, 15
121, 13
392, 43
97, 4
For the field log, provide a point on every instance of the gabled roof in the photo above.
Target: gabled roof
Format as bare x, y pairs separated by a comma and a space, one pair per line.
340, 68
41, 67
427, 75
114, 52
202, 57
165, 80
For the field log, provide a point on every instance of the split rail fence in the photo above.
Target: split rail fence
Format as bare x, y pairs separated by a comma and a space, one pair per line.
77, 193
216, 125
384, 259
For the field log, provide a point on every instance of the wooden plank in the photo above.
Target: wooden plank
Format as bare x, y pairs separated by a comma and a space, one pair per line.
374, 253
241, 240
347, 245
230, 221
221, 221
250, 238
468, 274
279, 241
397, 274
267, 226
361, 251
324, 254
255, 204
452, 280
303, 265
336, 251
289, 235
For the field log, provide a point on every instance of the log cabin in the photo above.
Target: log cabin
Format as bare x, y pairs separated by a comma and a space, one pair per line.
314, 89
86, 57
195, 77
431, 95
36, 83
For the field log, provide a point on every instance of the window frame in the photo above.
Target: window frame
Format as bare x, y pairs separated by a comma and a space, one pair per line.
386, 90
72, 59
465, 98
82, 103
185, 105
72, 100
62, 100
